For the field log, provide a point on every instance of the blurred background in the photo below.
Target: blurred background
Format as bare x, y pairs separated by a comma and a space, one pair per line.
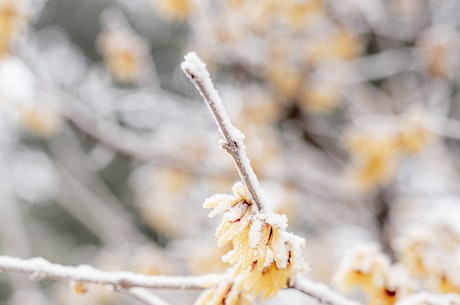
350, 110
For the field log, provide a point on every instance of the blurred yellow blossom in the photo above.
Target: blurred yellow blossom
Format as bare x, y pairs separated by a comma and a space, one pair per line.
368, 268
415, 131
340, 44
376, 154
13, 16
321, 96
161, 198
206, 256
124, 52
287, 81
40, 120
430, 255
374, 158
298, 14
175, 9
438, 48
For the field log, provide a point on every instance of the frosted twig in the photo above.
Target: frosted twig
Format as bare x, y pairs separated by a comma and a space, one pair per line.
131, 283
321, 292
40, 269
196, 71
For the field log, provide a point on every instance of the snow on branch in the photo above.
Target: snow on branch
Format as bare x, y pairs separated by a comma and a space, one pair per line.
321, 293
196, 71
40, 269
131, 283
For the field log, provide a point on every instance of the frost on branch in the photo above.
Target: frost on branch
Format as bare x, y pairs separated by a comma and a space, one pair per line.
196, 71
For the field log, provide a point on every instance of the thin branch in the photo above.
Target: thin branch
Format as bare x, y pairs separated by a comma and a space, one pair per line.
132, 283
321, 293
40, 269
145, 296
196, 71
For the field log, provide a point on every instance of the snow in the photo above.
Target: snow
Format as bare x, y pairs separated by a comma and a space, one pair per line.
196, 70
255, 232
39, 268
277, 221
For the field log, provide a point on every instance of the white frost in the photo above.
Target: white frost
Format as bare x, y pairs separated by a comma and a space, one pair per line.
39, 268
255, 232
196, 70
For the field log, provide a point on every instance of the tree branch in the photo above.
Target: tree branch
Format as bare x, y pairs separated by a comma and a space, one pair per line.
132, 283
39, 269
145, 296
196, 71
321, 293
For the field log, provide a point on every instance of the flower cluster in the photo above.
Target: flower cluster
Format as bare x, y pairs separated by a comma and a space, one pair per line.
265, 258
431, 257
370, 269
377, 153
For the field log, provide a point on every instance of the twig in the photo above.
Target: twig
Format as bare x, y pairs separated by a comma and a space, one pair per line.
131, 283
321, 293
145, 296
196, 71
40, 269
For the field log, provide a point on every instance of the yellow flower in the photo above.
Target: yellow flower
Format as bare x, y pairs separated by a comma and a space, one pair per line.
223, 294
266, 282
265, 258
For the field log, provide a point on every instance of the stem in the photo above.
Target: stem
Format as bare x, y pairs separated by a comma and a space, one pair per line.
131, 283
196, 71
321, 292
145, 296
39, 269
